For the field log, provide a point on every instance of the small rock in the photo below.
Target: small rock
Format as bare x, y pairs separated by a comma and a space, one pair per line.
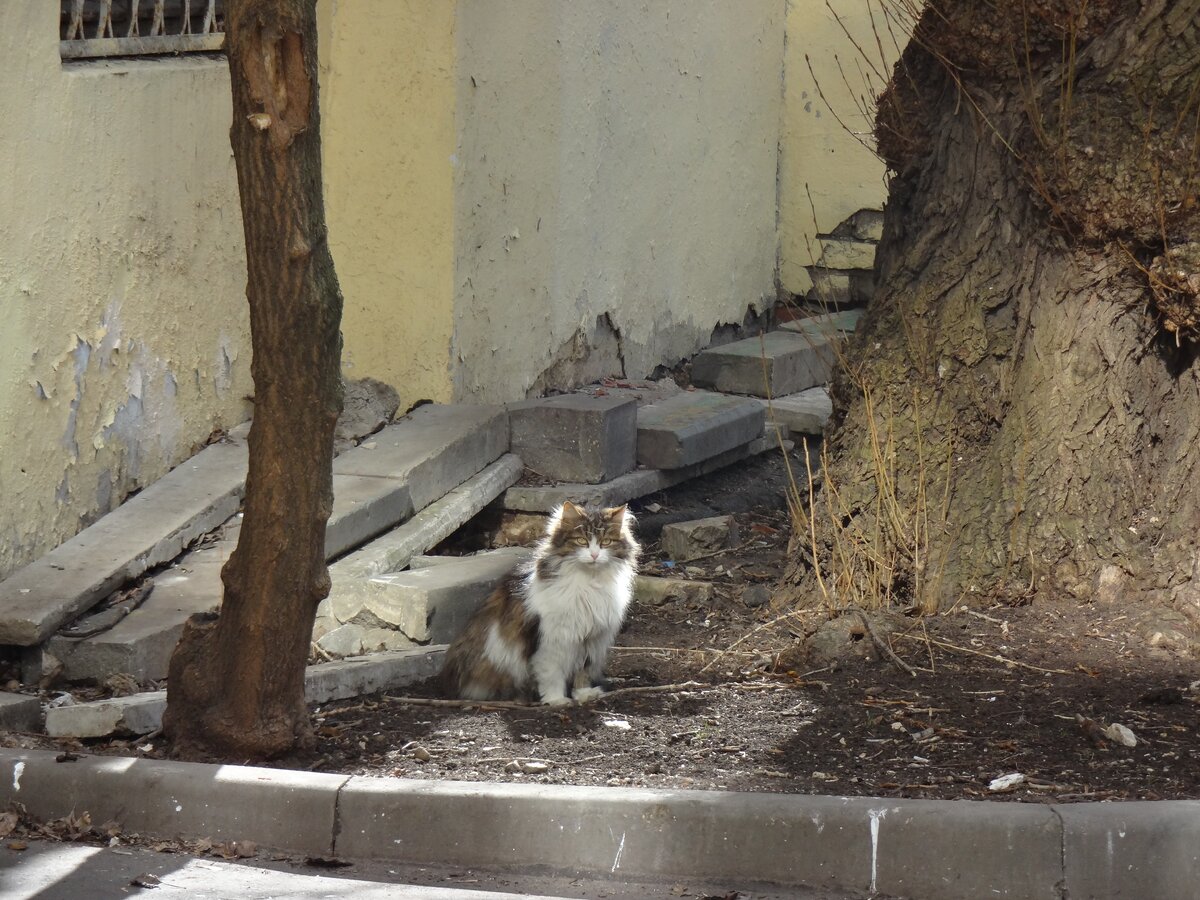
1006, 783
520, 529
1119, 734
420, 754
756, 595
617, 723
654, 591
367, 406
683, 541
345, 640
527, 766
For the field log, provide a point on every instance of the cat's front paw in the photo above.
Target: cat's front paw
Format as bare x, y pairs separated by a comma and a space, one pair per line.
584, 694
556, 701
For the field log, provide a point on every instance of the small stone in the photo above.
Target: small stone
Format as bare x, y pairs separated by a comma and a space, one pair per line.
683, 541
1006, 783
420, 754
345, 640
367, 406
655, 591
1119, 734
756, 595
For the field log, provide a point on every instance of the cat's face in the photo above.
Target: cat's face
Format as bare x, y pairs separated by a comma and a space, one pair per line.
592, 538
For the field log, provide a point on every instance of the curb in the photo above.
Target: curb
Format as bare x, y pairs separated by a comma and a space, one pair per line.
934, 850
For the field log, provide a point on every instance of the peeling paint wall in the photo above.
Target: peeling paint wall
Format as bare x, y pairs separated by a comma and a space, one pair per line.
125, 337
388, 142
616, 187
833, 68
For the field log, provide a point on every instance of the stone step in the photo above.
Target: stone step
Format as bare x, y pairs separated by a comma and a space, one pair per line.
147, 530
424, 453
802, 413
639, 483
844, 253
323, 683
392, 551
830, 325
431, 603
20, 712
693, 426
773, 364
576, 437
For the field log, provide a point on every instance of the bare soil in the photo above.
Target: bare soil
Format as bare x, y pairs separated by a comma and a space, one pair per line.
805, 702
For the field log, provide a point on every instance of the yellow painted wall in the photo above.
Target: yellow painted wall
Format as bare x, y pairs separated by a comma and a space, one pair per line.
617, 159
125, 337
826, 173
388, 113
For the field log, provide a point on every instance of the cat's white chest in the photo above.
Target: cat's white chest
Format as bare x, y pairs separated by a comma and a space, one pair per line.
582, 602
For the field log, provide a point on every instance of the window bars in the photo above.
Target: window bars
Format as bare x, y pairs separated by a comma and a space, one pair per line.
92, 28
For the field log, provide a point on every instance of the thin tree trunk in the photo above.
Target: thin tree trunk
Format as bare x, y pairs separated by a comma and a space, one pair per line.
1023, 414
236, 683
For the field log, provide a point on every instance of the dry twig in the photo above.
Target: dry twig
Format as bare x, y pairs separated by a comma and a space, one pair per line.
991, 656
516, 704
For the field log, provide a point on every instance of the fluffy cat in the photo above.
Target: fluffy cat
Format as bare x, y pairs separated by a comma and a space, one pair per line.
547, 629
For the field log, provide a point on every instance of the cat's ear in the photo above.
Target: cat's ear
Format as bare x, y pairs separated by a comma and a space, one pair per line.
572, 512
617, 513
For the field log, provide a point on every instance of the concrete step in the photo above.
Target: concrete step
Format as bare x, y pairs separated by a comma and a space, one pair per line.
639, 483
829, 325
693, 426
431, 603
771, 365
576, 437
434, 449
846, 253
147, 530
142, 713
802, 413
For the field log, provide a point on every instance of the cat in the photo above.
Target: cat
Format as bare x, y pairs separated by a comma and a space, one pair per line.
547, 629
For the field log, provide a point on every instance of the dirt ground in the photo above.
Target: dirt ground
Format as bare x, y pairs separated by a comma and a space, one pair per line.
999, 691
808, 704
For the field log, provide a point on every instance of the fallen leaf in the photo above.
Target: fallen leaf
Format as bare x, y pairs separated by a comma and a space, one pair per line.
17, 845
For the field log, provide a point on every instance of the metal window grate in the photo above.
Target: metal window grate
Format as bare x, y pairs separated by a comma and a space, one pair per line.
91, 28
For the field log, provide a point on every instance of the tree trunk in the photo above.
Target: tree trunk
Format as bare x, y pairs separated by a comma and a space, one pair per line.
1022, 408
236, 682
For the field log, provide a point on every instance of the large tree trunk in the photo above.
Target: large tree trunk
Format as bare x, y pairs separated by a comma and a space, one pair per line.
1022, 412
236, 683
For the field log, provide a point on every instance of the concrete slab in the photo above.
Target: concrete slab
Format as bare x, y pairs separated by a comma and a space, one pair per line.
653, 590
435, 523
773, 364
844, 253
802, 413
433, 449
364, 506
515, 554
830, 324
356, 677
273, 807
694, 426
429, 604
20, 712
141, 644
142, 713
149, 529
576, 437
135, 714
636, 484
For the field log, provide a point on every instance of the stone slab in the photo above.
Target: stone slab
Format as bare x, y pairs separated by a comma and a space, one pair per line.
141, 644
428, 604
514, 554
392, 551
359, 676
770, 365
273, 807
364, 506
636, 484
829, 324
20, 712
576, 437
693, 426
844, 253
802, 413
683, 541
135, 714
433, 449
653, 590
147, 530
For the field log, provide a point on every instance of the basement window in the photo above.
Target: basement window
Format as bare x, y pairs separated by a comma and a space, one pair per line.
95, 28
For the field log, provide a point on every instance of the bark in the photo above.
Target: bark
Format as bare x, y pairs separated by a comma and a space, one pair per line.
1022, 412
236, 682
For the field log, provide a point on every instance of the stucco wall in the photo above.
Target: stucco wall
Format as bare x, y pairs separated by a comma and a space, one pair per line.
122, 279
826, 173
616, 161
387, 111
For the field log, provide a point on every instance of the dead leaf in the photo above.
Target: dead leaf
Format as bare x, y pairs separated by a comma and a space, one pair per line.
17, 845
326, 862
146, 880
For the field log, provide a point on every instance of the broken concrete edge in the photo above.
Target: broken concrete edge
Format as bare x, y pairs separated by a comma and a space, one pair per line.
635, 484
392, 551
1033, 851
323, 683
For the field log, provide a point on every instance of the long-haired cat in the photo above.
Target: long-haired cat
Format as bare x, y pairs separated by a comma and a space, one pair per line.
546, 631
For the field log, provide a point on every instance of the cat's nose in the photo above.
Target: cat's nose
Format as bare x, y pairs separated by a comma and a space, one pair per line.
595, 554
